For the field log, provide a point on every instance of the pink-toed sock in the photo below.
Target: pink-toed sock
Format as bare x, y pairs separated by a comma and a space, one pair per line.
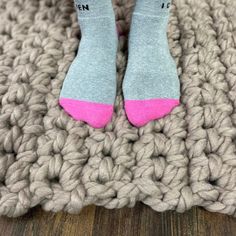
151, 84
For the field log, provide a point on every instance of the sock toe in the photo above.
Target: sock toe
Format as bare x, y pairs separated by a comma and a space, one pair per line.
140, 112
96, 115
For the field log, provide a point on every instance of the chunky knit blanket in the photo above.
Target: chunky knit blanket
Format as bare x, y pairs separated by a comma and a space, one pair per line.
46, 158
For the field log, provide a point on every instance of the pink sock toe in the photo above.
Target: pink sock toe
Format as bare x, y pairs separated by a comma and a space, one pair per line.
140, 112
96, 115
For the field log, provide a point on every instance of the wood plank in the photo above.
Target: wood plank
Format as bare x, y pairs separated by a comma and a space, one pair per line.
138, 221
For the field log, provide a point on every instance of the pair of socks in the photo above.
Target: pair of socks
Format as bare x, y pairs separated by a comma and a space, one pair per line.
151, 86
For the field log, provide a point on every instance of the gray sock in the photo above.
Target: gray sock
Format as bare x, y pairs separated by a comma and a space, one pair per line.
89, 89
151, 85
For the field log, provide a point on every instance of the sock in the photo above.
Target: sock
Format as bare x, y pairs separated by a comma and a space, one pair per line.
151, 85
89, 89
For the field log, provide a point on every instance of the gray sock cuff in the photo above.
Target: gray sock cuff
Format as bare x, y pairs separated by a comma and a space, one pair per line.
153, 7
93, 8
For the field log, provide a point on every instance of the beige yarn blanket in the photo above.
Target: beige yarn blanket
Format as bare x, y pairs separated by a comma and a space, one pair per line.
48, 159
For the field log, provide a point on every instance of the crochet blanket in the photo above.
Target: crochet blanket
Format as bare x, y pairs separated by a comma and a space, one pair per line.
46, 158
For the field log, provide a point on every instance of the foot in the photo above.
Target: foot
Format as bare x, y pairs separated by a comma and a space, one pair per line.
151, 85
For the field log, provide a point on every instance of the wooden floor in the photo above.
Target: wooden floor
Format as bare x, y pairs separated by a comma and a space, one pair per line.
139, 221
